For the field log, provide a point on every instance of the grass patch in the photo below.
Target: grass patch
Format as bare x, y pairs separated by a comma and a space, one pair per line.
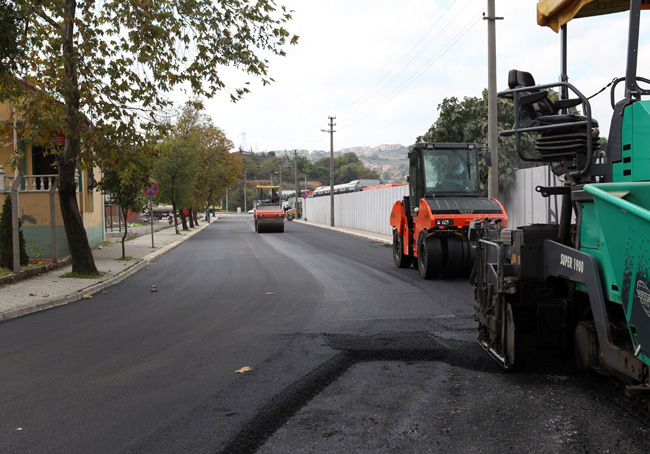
34, 264
125, 259
72, 275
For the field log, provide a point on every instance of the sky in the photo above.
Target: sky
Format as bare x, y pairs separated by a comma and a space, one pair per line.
381, 67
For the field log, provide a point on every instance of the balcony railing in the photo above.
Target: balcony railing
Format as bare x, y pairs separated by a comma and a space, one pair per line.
29, 183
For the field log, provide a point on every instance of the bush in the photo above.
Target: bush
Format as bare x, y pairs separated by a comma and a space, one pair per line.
6, 239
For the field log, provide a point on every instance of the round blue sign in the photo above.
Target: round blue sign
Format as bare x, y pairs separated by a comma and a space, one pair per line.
151, 190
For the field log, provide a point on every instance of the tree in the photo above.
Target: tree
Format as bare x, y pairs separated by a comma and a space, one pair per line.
347, 167
466, 121
10, 47
217, 168
126, 173
174, 173
6, 238
115, 62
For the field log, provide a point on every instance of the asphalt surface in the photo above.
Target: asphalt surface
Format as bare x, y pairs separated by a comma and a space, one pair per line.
347, 354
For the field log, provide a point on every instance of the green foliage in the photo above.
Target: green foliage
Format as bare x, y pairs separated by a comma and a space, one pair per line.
10, 48
236, 199
6, 239
217, 169
174, 171
111, 65
467, 121
347, 167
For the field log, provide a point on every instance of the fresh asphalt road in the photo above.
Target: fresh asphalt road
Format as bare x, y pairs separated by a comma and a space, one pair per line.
100, 374
347, 354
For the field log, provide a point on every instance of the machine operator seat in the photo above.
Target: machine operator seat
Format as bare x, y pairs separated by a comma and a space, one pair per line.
535, 108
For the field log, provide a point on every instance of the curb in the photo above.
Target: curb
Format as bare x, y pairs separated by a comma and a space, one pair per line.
94, 288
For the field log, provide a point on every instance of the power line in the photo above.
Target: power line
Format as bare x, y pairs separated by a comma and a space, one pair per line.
442, 33
395, 92
372, 89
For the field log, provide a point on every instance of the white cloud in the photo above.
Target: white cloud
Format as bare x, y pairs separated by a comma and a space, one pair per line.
347, 49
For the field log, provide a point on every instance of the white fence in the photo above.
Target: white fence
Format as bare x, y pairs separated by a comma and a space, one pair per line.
370, 210
363, 210
524, 205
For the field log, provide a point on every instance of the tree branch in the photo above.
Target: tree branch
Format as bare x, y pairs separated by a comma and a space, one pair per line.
40, 13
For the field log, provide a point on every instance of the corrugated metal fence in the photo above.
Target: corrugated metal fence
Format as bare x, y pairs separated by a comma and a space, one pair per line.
370, 210
364, 210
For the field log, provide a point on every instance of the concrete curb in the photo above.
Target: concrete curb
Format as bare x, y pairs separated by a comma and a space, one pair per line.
349, 232
98, 286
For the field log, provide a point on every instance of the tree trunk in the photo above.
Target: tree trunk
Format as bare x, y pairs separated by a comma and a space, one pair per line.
183, 219
196, 218
191, 216
124, 212
175, 219
82, 257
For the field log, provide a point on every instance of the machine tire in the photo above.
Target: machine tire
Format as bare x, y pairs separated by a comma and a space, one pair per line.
455, 256
585, 346
430, 256
471, 257
400, 259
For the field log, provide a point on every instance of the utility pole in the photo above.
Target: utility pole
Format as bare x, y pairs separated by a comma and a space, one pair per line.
295, 172
331, 132
493, 138
245, 208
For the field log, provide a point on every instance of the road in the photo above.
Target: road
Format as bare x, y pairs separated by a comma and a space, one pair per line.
347, 354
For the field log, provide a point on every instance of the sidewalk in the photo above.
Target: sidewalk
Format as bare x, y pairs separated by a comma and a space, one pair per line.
50, 289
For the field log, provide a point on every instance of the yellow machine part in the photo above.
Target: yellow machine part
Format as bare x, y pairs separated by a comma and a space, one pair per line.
556, 13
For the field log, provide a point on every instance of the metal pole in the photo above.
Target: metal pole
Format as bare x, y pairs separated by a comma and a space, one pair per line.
151, 219
295, 172
564, 75
55, 247
493, 138
245, 207
15, 227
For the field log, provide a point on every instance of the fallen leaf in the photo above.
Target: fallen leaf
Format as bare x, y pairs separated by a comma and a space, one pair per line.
154, 290
32, 294
20, 428
154, 286
242, 370
105, 292
270, 293
87, 297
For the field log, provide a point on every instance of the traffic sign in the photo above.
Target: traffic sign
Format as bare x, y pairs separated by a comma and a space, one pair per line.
151, 190
304, 195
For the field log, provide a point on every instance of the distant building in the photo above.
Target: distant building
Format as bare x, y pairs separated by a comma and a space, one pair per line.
393, 146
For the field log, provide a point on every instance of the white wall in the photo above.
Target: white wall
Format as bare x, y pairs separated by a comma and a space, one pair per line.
363, 210
370, 210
